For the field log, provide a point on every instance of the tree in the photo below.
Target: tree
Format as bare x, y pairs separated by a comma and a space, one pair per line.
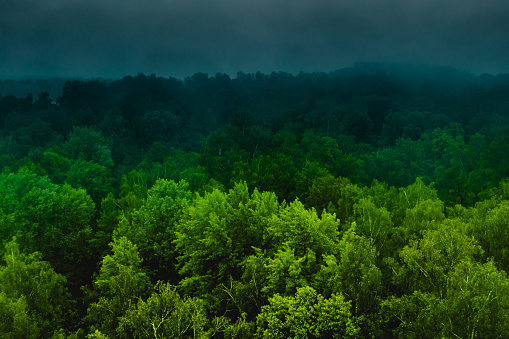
152, 227
164, 315
451, 173
428, 261
268, 173
54, 220
32, 286
93, 177
326, 193
88, 143
352, 271
55, 165
473, 304
373, 223
303, 230
296, 242
487, 222
305, 178
217, 232
119, 283
15, 319
306, 314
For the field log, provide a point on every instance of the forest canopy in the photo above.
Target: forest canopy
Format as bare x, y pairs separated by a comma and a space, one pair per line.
366, 202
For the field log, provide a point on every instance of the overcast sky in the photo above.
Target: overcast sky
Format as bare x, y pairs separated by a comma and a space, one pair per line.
113, 38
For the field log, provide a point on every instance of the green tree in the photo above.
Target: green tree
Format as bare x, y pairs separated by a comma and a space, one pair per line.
55, 165
474, 303
274, 173
217, 232
452, 171
373, 223
305, 178
352, 271
88, 143
54, 220
428, 261
93, 177
28, 281
304, 315
164, 315
487, 222
302, 229
296, 242
326, 193
119, 283
417, 209
15, 319
152, 227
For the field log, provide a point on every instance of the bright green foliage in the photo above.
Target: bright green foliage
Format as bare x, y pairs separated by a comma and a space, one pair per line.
353, 273
218, 231
28, 279
307, 314
97, 335
427, 262
286, 271
424, 258
474, 304
448, 293
418, 209
18, 193
487, 222
164, 315
15, 319
411, 196
303, 230
152, 227
373, 223
424, 216
297, 240
382, 195
478, 301
119, 283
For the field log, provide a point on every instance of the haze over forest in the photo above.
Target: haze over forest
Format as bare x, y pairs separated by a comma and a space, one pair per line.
110, 39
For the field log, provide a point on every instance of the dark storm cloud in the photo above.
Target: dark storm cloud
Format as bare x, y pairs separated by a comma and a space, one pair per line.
169, 37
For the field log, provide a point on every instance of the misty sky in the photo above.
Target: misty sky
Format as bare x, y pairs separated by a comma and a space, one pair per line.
113, 38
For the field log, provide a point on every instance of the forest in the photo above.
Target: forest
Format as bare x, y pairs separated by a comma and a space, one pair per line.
368, 202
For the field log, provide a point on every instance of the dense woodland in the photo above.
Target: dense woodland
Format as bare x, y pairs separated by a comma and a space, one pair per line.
369, 202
